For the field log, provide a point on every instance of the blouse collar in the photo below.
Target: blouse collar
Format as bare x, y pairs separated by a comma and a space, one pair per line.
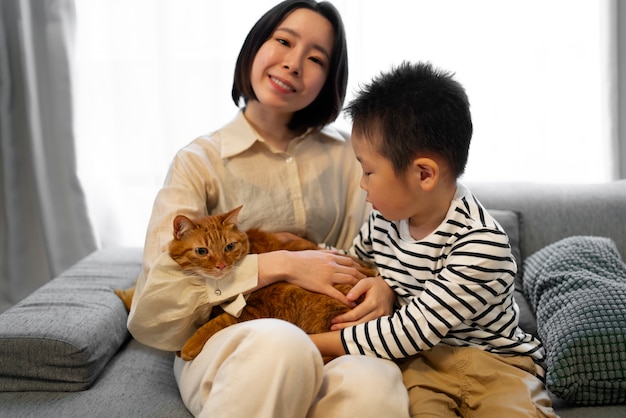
239, 135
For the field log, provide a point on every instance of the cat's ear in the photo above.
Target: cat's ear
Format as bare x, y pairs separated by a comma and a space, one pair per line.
231, 217
182, 224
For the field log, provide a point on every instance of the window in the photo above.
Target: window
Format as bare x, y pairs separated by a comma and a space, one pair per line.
152, 76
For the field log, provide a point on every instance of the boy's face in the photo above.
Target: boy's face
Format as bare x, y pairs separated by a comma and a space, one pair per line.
394, 196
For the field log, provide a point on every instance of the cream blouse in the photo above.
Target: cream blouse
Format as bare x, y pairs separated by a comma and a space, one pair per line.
312, 190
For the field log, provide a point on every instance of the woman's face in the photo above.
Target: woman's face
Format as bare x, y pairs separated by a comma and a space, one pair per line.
291, 67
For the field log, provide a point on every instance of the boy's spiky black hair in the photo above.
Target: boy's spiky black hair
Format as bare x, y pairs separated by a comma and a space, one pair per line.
412, 110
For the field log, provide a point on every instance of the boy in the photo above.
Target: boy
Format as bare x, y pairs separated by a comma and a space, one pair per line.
454, 331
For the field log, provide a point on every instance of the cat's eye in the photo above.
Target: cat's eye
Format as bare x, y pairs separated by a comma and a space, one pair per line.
230, 247
201, 251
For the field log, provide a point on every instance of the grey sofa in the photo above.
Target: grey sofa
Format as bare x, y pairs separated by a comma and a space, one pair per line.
65, 350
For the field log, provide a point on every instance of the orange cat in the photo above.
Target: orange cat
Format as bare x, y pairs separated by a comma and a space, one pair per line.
210, 247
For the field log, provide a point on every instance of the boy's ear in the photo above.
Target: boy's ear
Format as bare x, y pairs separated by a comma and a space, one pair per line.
427, 172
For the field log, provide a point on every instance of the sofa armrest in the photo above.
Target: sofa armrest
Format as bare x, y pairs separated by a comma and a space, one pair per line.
61, 336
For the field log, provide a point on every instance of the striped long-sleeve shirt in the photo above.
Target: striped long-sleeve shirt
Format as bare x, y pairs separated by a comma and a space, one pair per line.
454, 287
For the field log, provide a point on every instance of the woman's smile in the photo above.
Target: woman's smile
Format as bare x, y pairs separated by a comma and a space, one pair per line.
282, 84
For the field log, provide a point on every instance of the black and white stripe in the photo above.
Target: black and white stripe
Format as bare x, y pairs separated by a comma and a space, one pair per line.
455, 287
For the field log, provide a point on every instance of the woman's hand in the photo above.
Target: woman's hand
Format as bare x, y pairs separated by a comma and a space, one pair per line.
314, 270
378, 301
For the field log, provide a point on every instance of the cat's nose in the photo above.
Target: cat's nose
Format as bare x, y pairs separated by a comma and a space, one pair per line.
220, 266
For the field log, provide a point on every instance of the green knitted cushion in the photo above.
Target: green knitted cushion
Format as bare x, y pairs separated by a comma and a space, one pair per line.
577, 288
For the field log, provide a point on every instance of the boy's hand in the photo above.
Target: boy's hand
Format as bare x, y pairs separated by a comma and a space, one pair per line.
378, 301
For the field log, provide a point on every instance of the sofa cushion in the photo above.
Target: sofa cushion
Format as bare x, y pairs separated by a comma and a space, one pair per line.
61, 336
137, 382
577, 287
511, 222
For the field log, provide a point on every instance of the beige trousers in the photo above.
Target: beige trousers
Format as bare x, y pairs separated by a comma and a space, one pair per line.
468, 382
270, 369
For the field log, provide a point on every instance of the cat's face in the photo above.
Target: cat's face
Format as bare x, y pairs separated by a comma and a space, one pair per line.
209, 246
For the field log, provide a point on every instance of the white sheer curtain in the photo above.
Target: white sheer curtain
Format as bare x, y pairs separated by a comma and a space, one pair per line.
44, 227
153, 75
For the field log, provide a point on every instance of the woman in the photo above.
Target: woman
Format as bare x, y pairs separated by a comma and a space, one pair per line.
292, 173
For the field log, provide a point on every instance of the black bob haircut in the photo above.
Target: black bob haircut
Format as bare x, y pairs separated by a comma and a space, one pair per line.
415, 110
328, 104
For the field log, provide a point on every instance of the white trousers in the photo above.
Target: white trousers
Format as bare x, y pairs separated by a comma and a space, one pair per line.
269, 368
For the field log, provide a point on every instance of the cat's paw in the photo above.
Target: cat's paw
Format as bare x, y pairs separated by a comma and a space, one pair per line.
190, 351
